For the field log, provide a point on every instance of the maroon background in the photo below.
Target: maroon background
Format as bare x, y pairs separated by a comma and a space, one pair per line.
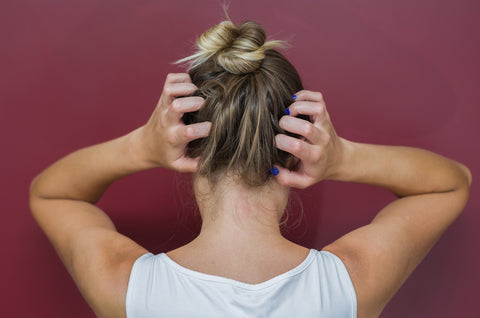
76, 73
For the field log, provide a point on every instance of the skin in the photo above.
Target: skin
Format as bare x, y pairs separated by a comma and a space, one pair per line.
240, 237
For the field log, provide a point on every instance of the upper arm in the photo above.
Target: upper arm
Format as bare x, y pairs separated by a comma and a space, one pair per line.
97, 257
380, 256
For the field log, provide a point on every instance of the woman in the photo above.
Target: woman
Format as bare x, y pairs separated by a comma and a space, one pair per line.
233, 123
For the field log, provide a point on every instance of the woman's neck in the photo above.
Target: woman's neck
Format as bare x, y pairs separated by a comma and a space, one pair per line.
240, 218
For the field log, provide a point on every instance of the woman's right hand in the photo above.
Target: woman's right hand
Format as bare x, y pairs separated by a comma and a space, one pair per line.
163, 139
321, 151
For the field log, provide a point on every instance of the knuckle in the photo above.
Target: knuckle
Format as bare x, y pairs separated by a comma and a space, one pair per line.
328, 139
168, 90
319, 95
317, 155
171, 137
320, 109
176, 105
170, 76
308, 129
189, 132
297, 146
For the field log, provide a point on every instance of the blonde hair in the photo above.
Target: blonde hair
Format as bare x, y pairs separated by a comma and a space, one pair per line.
247, 86
239, 50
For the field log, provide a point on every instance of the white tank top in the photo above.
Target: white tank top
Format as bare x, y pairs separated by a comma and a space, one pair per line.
319, 287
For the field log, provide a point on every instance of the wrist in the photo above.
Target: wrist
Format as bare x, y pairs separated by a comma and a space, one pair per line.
340, 170
138, 149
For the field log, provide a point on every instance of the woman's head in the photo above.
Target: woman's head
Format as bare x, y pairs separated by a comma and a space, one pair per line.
247, 86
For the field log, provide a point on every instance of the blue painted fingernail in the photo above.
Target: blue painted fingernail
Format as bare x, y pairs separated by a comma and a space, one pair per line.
294, 96
274, 171
288, 111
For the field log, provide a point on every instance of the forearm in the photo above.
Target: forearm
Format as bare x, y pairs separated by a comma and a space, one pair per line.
402, 170
86, 173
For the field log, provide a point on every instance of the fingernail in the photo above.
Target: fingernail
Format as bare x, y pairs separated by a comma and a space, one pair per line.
274, 171
294, 96
288, 111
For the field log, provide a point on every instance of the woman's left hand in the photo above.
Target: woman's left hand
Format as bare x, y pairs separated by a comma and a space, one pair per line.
320, 151
164, 137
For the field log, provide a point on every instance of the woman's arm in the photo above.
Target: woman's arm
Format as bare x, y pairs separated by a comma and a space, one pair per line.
62, 197
381, 255
402, 170
85, 174
62, 202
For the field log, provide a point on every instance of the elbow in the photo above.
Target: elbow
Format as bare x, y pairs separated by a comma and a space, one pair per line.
31, 199
33, 187
468, 174
464, 190
33, 195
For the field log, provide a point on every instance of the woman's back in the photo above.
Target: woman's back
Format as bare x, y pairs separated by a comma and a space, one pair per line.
317, 287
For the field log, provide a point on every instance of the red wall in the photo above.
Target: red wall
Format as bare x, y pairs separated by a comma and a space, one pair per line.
75, 73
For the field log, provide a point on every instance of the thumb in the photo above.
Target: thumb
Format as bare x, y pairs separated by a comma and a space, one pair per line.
186, 164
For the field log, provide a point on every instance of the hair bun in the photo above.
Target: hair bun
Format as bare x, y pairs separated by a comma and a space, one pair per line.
238, 50
243, 52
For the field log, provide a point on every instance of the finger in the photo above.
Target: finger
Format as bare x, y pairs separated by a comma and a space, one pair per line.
194, 131
186, 105
294, 179
307, 108
174, 90
309, 96
178, 78
301, 127
299, 148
